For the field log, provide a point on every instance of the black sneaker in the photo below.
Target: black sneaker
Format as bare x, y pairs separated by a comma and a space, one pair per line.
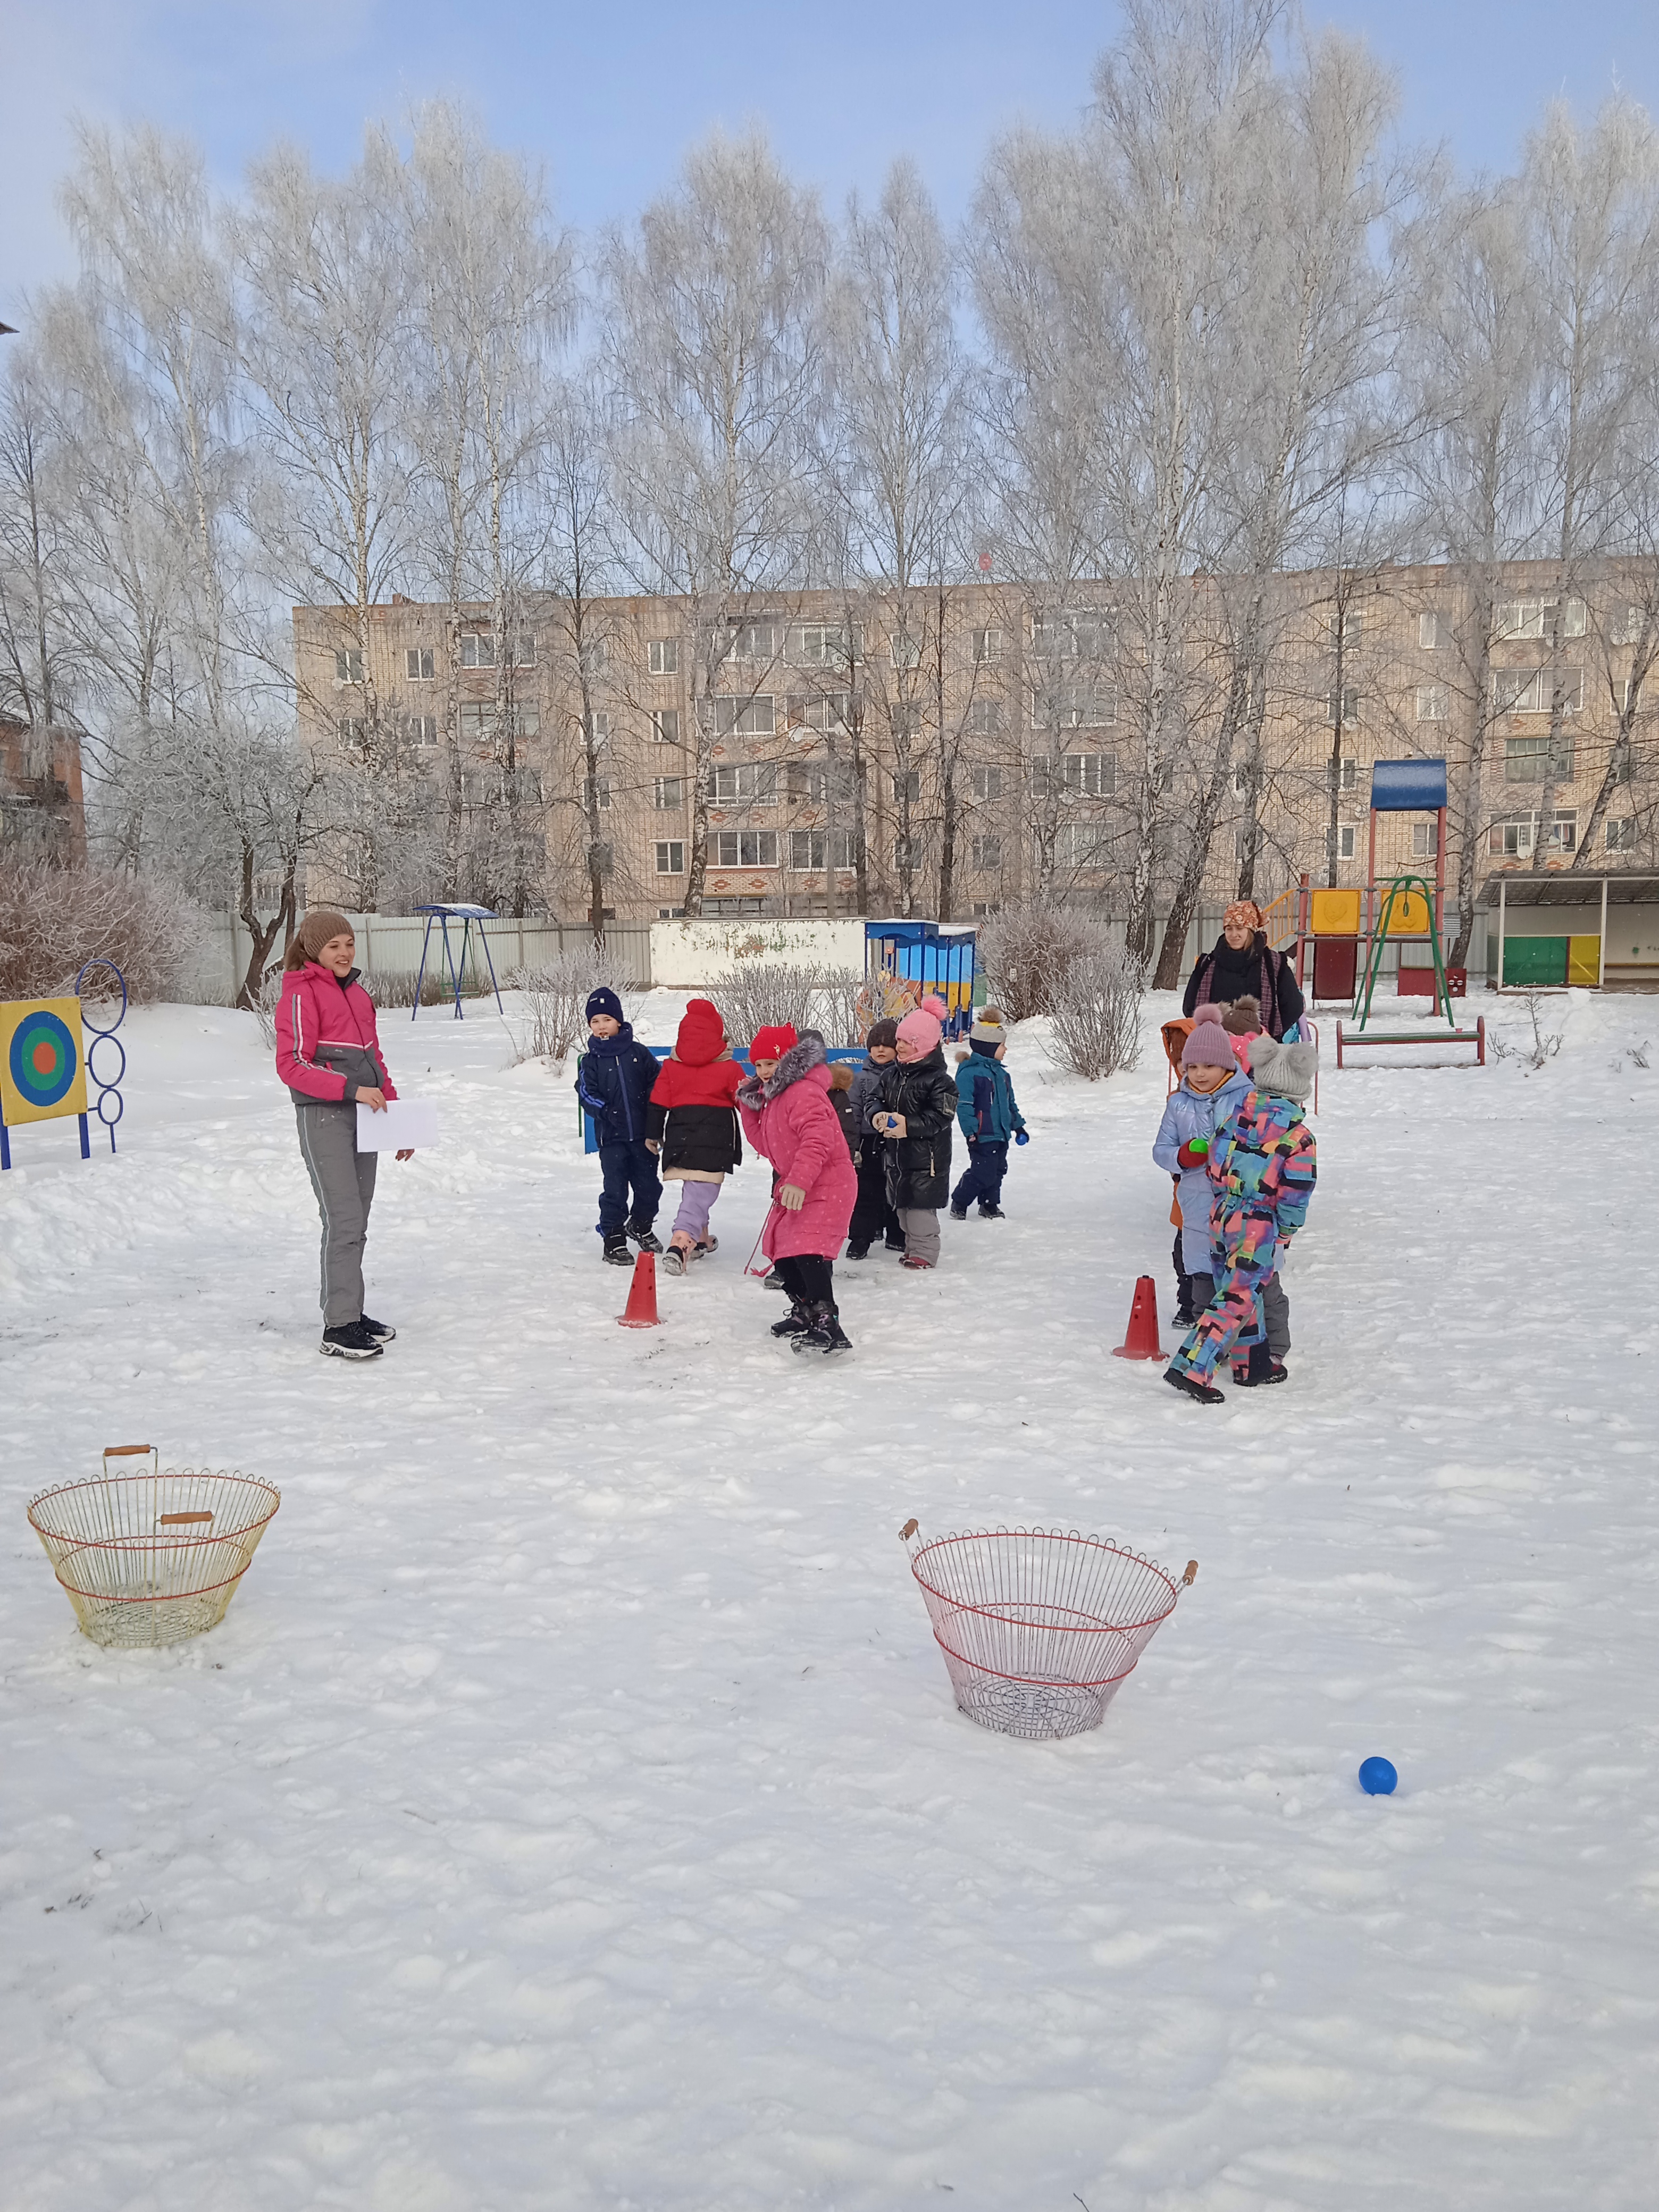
992, 1213
644, 1236
615, 1254
958, 1213
824, 1334
381, 1330
858, 1251
1261, 1370
349, 1341
1190, 1385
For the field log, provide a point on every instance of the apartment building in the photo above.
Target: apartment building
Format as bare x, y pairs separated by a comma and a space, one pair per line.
963, 748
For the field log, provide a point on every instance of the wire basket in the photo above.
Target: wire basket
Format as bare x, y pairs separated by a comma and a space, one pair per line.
153, 1557
1039, 1626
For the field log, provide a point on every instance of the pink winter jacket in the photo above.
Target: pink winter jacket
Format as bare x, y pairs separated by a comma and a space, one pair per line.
791, 1121
327, 1047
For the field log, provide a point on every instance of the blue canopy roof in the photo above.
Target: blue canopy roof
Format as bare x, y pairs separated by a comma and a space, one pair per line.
1408, 787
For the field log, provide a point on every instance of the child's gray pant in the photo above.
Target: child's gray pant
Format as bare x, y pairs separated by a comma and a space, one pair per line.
343, 1179
1275, 1309
920, 1227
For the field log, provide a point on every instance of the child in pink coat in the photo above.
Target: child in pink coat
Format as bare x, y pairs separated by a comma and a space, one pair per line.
787, 1117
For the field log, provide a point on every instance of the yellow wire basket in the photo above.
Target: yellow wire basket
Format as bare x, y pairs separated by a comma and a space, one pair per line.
151, 1555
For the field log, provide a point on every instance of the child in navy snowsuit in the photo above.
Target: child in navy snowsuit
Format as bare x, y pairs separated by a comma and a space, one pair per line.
614, 1079
990, 1116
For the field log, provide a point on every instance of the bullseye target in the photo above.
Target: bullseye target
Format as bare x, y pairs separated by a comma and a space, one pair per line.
42, 1069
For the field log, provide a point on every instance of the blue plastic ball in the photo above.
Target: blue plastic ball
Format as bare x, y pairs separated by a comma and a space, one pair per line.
1377, 1778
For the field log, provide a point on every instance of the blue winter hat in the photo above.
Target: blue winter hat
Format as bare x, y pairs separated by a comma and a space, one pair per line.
604, 1001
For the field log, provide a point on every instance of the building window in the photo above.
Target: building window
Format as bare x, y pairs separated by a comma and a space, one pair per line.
907, 854
812, 785
984, 908
808, 849
1241, 783
1537, 690
1344, 840
1539, 618
1433, 702
603, 860
745, 718
1081, 844
477, 720
420, 729
1625, 626
1425, 839
1632, 696
1344, 773
984, 718
1090, 776
746, 848
349, 665
667, 794
525, 649
986, 853
418, 663
818, 645
477, 649
596, 728
1621, 766
1433, 631
906, 787
753, 784
662, 657
988, 646
1342, 710
987, 783
903, 651
670, 856
527, 718
1513, 840
665, 725
351, 730
1536, 760
1619, 836
757, 640
596, 794
1084, 635
829, 712
1348, 630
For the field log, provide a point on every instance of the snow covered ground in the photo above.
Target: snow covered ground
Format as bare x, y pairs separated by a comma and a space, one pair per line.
572, 1812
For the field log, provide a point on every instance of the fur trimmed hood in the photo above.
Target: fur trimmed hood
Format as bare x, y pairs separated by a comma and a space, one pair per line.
799, 1060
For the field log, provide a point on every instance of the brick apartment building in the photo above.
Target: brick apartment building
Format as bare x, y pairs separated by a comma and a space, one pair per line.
836, 746
42, 809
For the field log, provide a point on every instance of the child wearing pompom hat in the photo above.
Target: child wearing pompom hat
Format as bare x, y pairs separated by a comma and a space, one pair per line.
873, 1217
915, 1106
1211, 1087
990, 1116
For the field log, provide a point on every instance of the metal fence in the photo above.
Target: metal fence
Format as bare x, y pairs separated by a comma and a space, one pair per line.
389, 951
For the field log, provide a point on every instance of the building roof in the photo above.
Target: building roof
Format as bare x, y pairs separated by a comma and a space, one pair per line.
1568, 887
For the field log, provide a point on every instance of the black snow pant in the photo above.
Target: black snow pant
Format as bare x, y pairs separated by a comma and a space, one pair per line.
873, 1217
343, 1179
988, 1163
621, 1165
809, 1278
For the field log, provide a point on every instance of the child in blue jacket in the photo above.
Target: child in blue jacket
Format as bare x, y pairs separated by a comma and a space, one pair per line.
1212, 1085
614, 1079
989, 1117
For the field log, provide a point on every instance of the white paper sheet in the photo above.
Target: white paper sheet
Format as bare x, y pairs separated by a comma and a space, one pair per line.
406, 1124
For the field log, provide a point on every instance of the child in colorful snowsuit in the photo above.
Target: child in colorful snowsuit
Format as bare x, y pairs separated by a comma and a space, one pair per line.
989, 1115
787, 1117
1263, 1164
693, 1124
873, 1217
614, 1077
328, 1053
1211, 1088
914, 1111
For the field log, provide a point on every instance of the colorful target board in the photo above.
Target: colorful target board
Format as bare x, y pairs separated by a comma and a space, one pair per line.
44, 1065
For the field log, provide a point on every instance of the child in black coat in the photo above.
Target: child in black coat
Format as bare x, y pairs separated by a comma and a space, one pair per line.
614, 1080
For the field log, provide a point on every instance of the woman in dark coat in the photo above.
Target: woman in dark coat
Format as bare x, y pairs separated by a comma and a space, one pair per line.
1242, 964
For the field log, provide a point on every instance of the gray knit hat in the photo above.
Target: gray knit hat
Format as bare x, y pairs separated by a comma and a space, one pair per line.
1283, 1071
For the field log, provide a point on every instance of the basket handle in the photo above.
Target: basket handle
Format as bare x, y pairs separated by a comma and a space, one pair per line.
181, 1520
1191, 1575
912, 1528
126, 1451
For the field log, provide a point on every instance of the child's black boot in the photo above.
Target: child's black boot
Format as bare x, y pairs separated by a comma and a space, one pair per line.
824, 1335
615, 1254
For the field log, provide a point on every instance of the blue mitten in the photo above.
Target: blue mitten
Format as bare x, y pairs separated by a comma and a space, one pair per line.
1021, 1136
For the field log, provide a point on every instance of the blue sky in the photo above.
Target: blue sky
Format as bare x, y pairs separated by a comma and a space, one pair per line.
608, 97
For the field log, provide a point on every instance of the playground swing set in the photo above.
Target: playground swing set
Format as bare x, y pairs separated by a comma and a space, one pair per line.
1351, 929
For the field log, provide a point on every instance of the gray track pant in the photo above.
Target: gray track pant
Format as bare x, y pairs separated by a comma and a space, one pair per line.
343, 1179
1275, 1311
920, 1227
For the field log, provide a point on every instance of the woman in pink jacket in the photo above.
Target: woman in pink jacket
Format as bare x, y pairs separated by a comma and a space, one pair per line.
328, 1053
787, 1117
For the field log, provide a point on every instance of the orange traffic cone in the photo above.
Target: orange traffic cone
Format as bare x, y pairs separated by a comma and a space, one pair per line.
1141, 1341
641, 1309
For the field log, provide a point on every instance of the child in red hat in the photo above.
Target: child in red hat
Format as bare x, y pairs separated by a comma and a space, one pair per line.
692, 1122
788, 1118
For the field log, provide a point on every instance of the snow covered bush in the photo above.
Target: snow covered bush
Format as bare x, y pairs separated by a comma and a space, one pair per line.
52, 920
1097, 1015
757, 995
1026, 953
557, 993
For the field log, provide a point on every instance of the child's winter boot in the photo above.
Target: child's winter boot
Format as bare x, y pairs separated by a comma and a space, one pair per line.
1206, 1393
615, 1254
824, 1335
1260, 1370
